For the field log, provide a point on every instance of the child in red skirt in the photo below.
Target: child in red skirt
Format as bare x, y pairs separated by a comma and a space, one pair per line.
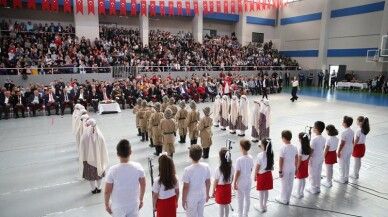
165, 191
330, 154
223, 178
302, 173
263, 173
359, 144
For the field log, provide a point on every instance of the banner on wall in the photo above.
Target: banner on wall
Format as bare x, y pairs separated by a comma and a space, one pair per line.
240, 6
196, 10
188, 12
258, 5
226, 7
90, 6
45, 5
79, 7
54, 5
133, 7
170, 8
17, 4
179, 6
143, 8
232, 7
205, 7
152, 8
3, 3
112, 7
101, 7
123, 8
162, 8
218, 4
211, 6
252, 6
31, 4
246, 5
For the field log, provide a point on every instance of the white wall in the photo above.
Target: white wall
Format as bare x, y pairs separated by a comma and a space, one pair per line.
171, 24
126, 22
222, 27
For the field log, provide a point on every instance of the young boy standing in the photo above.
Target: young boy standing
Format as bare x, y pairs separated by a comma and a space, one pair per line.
125, 184
196, 184
316, 158
345, 150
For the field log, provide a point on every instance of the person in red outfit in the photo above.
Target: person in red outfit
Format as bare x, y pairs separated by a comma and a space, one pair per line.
202, 92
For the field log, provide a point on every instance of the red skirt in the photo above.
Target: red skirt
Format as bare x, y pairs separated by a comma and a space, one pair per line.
166, 207
224, 194
303, 170
359, 150
331, 157
264, 181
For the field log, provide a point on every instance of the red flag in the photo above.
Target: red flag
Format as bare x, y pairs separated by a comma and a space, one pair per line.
218, 3
54, 5
162, 8
240, 7
245, 5
101, 7
31, 4
204, 7
123, 7
143, 8
252, 6
91, 7
17, 4
152, 8
226, 7
112, 7
211, 7
258, 5
170, 8
196, 10
232, 7
275, 4
45, 5
179, 6
79, 7
133, 7
3, 3
188, 12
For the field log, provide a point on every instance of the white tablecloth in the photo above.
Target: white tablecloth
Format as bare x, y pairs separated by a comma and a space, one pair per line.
351, 84
112, 107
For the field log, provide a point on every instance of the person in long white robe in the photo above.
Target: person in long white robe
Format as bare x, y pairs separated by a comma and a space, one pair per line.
242, 122
77, 125
234, 106
80, 130
94, 155
224, 112
217, 111
255, 120
77, 109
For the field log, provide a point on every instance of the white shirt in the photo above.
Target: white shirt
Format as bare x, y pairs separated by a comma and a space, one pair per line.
196, 175
220, 177
361, 136
126, 188
347, 135
262, 162
288, 153
303, 156
36, 100
332, 143
161, 190
295, 83
318, 144
244, 164
6, 100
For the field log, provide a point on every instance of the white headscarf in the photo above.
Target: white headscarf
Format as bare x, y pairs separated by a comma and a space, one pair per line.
225, 107
217, 108
266, 110
77, 109
256, 114
234, 110
93, 148
243, 111
80, 129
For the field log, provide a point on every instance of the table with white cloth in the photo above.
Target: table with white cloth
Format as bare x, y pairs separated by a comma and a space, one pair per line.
104, 108
352, 84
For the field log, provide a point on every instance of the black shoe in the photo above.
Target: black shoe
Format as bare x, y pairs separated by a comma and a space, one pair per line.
94, 191
232, 132
216, 125
98, 190
223, 129
255, 140
241, 135
23, 116
16, 117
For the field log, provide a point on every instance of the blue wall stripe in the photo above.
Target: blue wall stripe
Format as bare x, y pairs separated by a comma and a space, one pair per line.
301, 19
300, 53
222, 16
362, 9
261, 21
351, 52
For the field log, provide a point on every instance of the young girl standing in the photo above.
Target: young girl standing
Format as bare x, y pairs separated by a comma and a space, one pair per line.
345, 150
223, 178
263, 173
302, 173
165, 191
359, 144
330, 154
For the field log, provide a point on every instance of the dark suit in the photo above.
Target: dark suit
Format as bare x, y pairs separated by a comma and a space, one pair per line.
81, 101
19, 102
118, 96
181, 94
266, 88
210, 92
129, 94
94, 98
49, 104
33, 105
65, 99
154, 92
4, 108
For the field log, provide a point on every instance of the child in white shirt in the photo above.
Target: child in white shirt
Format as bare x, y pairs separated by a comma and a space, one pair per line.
359, 144
316, 158
302, 172
345, 150
330, 154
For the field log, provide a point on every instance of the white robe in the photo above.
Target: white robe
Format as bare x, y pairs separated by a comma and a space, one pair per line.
265, 109
217, 109
80, 130
225, 108
234, 107
243, 110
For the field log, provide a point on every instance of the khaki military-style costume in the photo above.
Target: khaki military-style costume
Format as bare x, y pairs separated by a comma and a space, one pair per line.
168, 126
191, 122
157, 136
180, 117
205, 129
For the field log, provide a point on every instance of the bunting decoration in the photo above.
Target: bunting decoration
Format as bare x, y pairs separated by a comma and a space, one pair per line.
17, 4
101, 7
31, 4
112, 7
179, 6
152, 8
123, 7
211, 6
143, 8
79, 7
45, 5
240, 6
218, 3
91, 7
205, 7
54, 5
226, 7
162, 8
170, 8
196, 10
232, 7
133, 7
188, 10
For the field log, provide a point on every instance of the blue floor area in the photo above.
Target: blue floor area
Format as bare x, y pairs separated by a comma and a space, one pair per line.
344, 95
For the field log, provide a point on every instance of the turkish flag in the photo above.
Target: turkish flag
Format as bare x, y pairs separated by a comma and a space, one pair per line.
188, 12
258, 5
239, 3
123, 7
245, 5
170, 8
133, 7
232, 7
101, 7
45, 5
211, 7
252, 6
112, 7
17, 4
31, 4
204, 7
226, 7
179, 6
196, 10
3, 3
79, 7
91, 7
152, 8
54, 5
162, 8
143, 8
218, 3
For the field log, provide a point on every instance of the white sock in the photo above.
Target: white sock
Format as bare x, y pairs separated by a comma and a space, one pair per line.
226, 207
242, 131
357, 166
261, 198
329, 172
99, 184
301, 185
92, 185
265, 199
221, 210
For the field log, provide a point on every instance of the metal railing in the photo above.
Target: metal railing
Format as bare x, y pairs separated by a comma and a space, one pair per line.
54, 70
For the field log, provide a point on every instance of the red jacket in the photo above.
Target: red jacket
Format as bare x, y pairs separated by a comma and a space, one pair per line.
201, 90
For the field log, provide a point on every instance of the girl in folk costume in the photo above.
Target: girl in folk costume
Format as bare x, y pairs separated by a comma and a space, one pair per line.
217, 110
359, 144
242, 121
135, 110
263, 173
265, 119
330, 154
77, 124
168, 126
80, 129
77, 109
192, 121
157, 136
255, 121
302, 164
234, 107
224, 112
205, 132
94, 155
165, 191
180, 117
223, 179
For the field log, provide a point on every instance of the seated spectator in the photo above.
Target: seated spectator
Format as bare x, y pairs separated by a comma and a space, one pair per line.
51, 100
19, 102
6, 102
65, 98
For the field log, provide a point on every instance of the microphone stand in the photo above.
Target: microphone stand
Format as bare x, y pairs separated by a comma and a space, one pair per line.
151, 166
230, 147
309, 130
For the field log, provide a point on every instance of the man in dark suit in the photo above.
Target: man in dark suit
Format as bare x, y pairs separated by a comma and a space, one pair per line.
6, 101
81, 98
50, 99
129, 94
153, 92
94, 98
64, 99
9, 84
19, 102
117, 94
181, 91
210, 91
35, 101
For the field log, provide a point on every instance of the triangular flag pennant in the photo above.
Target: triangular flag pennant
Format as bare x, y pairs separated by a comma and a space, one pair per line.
79, 7
162, 7
101, 7
112, 7
91, 7
226, 7
188, 10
